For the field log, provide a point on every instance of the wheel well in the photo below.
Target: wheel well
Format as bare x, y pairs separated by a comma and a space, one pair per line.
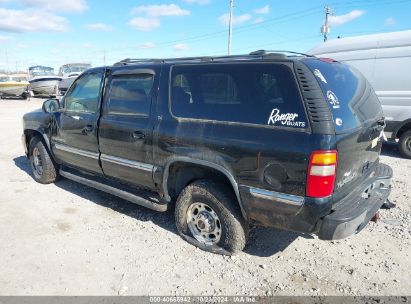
29, 134
181, 174
403, 129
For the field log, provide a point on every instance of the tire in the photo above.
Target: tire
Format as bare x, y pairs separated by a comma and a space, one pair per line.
405, 144
43, 168
208, 202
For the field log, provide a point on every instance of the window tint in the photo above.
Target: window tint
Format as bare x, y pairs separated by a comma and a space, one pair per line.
130, 94
344, 89
84, 93
219, 89
247, 93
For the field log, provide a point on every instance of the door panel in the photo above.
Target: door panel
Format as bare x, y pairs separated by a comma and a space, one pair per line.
125, 130
74, 140
122, 155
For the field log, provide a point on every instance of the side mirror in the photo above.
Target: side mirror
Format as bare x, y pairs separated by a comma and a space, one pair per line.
51, 105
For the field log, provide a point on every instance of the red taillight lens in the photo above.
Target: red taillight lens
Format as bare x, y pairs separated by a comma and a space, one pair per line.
321, 173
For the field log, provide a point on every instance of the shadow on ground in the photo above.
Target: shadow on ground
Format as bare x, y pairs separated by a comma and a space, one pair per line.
262, 241
390, 149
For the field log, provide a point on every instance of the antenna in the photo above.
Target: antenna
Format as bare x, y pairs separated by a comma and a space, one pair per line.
230, 27
325, 29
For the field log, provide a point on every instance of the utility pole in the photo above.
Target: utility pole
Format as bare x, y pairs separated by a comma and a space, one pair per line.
7, 62
230, 27
325, 29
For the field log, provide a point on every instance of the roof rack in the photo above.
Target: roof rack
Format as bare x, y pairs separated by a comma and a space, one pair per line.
163, 60
256, 54
267, 52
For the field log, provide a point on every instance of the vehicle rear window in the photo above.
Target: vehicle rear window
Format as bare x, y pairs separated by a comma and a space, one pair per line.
344, 88
130, 94
264, 94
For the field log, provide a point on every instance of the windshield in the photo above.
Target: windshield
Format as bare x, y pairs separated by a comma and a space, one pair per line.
19, 78
41, 71
75, 69
79, 69
350, 97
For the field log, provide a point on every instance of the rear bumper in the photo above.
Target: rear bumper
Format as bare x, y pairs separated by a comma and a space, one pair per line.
327, 217
352, 214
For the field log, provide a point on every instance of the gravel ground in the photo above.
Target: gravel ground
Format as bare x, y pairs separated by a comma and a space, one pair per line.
68, 239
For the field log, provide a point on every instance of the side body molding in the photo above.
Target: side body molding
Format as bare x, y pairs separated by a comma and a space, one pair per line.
204, 163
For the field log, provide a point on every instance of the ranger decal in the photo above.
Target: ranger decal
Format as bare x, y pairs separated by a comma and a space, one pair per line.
287, 119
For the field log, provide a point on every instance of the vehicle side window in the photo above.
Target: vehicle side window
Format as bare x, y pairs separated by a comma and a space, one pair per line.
270, 89
130, 94
219, 89
264, 94
343, 89
180, 81
84, 93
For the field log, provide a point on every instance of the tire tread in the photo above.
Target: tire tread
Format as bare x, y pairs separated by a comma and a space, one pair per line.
49, 168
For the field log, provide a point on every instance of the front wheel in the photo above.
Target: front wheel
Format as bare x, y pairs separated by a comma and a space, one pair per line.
208, 216
44, 170
405, 144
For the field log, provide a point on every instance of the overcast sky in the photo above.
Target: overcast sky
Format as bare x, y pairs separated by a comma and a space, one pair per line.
54, 32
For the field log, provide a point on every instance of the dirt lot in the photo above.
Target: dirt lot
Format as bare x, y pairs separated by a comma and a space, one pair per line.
65, 238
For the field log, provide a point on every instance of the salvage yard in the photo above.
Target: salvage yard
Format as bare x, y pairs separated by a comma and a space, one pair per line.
65, 238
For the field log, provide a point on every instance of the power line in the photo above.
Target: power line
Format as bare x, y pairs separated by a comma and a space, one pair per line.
272, 21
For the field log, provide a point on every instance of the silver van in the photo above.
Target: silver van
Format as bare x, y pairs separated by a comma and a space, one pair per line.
385, 60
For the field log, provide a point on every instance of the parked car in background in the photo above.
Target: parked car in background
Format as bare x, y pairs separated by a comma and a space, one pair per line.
291, 142
69, 72
385, 60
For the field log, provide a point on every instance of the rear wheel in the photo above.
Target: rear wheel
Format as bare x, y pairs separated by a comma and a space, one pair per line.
44, 170
208, 216
405, 144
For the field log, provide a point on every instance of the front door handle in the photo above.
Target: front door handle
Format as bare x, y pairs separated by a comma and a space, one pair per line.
138, 135
87, 129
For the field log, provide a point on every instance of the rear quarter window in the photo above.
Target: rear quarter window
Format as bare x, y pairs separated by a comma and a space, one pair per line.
350, 97
263, 94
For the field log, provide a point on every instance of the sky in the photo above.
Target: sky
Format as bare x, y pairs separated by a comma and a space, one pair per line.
102, 32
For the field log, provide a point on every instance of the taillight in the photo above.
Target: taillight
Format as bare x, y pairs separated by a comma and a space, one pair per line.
321, 173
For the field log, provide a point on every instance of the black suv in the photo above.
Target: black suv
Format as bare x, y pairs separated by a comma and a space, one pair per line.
291, 142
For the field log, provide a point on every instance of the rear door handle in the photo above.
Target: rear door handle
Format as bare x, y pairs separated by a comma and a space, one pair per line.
138, 135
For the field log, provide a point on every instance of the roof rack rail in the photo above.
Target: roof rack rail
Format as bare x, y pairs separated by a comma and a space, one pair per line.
158, 60
259, 53
163, 60
267, 52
